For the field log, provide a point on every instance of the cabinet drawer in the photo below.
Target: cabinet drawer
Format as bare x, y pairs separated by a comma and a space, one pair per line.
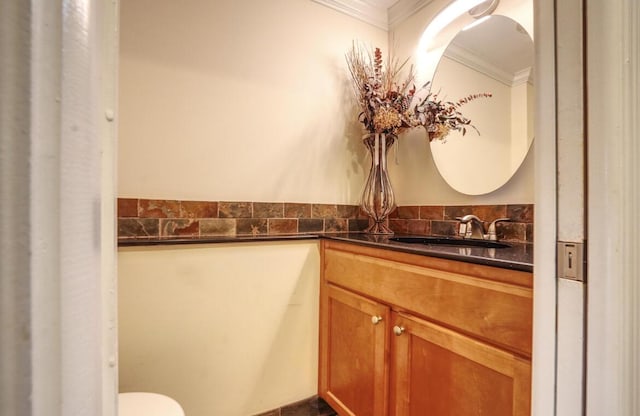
497, 312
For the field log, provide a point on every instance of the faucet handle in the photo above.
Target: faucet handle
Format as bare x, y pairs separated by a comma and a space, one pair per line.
492, 228
471, 226
467, 218
465, 227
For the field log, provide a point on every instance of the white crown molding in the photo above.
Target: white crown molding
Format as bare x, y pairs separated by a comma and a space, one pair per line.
374, 12
360, 10
473, 61
522, 76
404, 9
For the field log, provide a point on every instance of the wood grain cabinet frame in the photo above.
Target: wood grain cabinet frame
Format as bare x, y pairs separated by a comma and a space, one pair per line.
437, 371
403, 334
355, 351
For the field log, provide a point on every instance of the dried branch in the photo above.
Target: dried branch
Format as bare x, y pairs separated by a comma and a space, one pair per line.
387, 105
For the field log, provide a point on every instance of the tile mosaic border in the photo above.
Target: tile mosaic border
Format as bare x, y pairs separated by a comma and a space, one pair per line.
148, 218
441, 220
161, 218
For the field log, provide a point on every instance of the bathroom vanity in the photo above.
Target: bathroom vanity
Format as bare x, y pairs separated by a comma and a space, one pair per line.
408, 334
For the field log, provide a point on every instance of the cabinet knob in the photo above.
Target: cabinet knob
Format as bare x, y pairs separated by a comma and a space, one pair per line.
398, 330
376, 319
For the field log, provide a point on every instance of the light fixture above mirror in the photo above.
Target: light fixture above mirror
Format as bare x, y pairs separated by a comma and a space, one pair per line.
477, 9
483, 9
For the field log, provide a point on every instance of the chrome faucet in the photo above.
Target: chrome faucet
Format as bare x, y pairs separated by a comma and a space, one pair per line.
473, 227
492, 228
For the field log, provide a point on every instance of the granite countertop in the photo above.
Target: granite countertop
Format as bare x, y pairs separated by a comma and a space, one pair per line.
519, 256
159, 241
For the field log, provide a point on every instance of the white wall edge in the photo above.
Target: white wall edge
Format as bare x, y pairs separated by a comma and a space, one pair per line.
571, 199
108, 127
571, 340
613, 338
631, 198
545, 286
15, 285
46, 73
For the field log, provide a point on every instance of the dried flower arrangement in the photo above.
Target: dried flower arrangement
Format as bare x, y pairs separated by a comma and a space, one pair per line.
440, 117
388, 106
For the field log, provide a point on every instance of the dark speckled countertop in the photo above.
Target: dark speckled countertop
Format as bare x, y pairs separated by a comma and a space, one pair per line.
519, 256
160, 241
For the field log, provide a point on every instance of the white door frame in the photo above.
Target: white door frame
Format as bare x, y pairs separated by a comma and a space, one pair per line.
545, 288
588, 100
57, 189
613, 324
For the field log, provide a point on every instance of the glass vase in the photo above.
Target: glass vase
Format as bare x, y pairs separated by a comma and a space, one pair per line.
377, 198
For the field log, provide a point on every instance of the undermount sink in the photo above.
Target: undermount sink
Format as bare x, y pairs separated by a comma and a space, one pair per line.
449, 241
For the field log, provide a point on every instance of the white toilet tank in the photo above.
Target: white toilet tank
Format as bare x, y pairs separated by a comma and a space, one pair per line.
147, 404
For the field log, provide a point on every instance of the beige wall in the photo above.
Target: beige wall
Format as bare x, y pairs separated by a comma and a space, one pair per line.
231, 100
251, 101
228, 329
239, 100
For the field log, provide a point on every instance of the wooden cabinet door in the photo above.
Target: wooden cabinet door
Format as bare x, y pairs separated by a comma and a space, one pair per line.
439, 372
354, 343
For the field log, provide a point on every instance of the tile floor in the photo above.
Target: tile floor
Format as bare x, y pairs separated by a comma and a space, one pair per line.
314, 406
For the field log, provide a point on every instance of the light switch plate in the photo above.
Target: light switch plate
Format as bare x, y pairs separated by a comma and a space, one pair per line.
571, 261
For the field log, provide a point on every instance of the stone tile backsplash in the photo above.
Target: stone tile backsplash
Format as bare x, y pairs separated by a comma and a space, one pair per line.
149, 218
155, 218
441, 220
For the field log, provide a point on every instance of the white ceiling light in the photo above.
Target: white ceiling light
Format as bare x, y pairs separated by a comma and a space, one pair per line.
444, 18
484, 9
476, 23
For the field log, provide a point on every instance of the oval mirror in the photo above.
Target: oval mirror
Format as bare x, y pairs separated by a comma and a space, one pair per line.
495, 56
